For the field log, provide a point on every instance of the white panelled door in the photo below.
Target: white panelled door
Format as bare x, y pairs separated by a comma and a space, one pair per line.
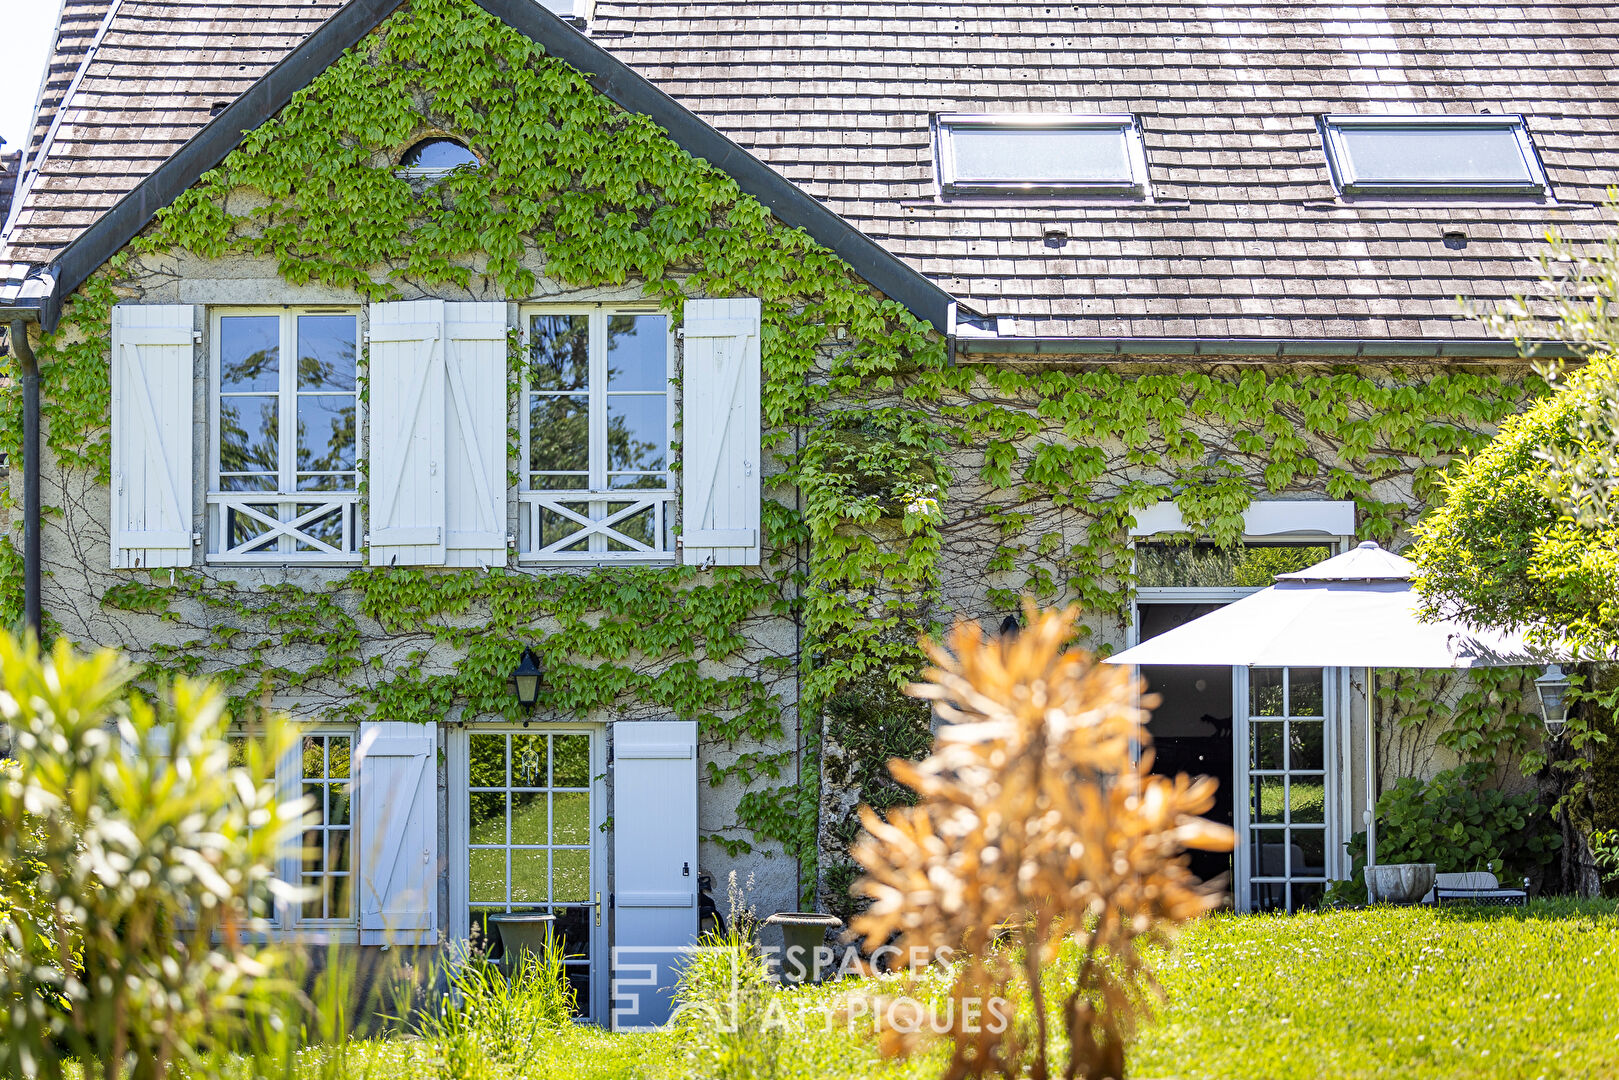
719, 433
406, 374
396, 845
654, 865
152, 392
475, 443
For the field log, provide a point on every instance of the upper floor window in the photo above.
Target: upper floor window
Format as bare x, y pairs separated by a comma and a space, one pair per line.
596, 419
432, 157
1476, 155
1009, 153
285, 478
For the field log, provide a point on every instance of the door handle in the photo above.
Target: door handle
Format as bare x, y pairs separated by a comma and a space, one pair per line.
598, 909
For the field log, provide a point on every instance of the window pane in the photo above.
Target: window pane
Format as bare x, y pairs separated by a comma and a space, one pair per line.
1304, 692
1423, 154
641, 527
637, 352
1266, 751
637, 427
1265, 692
571, 810
326, 352
1041, 155
555, 526
558, 436
1306, 744
249, 353
528, 876
337, 757
571, 876
1269, 794
487, 876
1172, 564
487, 818
1309, 852
559, 352
488, 764
570, 765
530, 818
1307, 799
249, 436
528, 761
325, 433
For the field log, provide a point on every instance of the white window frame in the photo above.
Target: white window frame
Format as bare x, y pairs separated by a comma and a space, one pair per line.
1136, 185
290, 785
531, 500
288, 495
1349, 182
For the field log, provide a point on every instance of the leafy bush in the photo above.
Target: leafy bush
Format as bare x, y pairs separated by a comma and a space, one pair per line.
1457, 823
1605, 851
136, 860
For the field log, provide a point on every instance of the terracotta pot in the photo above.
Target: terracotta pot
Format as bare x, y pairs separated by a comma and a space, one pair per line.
1399, 883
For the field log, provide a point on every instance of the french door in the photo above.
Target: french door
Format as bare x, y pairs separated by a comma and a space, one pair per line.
527, 808
1287, 776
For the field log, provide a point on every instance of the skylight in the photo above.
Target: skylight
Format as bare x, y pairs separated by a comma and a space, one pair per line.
1433, 155
1097, 154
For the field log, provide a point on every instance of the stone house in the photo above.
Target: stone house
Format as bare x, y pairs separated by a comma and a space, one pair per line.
694, 358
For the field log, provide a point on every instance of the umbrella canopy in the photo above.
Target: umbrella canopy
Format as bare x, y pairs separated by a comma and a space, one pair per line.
1357, 609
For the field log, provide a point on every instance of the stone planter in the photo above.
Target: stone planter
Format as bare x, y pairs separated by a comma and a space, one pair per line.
1399, 883
520, 933
802, 933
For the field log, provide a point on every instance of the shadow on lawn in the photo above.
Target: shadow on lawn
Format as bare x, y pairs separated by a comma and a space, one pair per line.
1556, 907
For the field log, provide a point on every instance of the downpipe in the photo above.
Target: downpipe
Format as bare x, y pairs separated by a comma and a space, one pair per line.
24, 351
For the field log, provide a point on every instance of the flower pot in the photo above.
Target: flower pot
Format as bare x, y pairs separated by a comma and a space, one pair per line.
522, 932
1399, 883
802, 933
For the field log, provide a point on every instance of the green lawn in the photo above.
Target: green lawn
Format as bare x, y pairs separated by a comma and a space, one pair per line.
1417, 994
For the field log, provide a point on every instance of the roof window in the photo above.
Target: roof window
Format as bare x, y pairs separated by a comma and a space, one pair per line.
1442, 155
1095, 154
436, 156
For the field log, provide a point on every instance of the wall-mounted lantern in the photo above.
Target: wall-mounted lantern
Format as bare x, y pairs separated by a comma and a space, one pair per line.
524, 680
1552, 687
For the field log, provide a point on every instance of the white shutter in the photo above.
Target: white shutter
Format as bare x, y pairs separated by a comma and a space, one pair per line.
475, 368
407, 462
654, 865
152, 392
719, 433
396, 841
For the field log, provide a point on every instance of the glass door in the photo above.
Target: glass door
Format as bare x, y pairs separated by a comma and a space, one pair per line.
532, 808
1286, 819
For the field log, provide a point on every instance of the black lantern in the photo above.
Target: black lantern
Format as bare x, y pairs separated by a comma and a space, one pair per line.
525, 679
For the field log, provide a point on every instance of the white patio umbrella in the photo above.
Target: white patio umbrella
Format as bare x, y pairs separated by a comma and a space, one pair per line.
1355, 610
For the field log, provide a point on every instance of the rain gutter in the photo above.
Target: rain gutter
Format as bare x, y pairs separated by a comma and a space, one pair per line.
1249, 348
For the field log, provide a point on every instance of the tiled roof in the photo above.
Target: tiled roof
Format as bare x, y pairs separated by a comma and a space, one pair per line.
141, 84
1246, 236
10, 165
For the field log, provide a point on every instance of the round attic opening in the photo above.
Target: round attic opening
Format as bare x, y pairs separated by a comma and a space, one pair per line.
438, 154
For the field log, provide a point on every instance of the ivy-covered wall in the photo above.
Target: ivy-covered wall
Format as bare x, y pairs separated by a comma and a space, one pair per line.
904, 490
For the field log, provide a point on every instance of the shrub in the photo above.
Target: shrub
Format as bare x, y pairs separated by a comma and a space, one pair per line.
1036, 821
490, 1024
137, 861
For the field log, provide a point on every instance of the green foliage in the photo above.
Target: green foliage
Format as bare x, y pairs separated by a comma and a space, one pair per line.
491, 1024
1460, 824
11, 586
864, 415
130, 875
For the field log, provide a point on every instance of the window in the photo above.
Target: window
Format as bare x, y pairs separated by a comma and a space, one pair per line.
326, 864
284, 483
1251, 565
434, 157
596, 419
1433, 155
1099, 154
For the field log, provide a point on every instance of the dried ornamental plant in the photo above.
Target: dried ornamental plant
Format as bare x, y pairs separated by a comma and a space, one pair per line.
1038, 824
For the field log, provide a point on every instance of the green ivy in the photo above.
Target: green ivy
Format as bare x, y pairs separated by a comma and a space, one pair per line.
872, 428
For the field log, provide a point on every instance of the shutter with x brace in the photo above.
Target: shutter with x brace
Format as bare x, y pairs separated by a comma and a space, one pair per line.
406, 376
719, 433
153, 389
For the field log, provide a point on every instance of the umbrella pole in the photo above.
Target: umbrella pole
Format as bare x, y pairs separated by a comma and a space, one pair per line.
1371, 767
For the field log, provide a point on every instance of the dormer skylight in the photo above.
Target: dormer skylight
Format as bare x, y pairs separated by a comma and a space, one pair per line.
1433, 155
1096, 154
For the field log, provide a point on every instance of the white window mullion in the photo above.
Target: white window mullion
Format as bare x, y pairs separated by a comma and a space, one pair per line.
598, 421
288, 420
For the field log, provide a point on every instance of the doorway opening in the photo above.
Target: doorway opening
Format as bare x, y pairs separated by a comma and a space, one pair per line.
1192, 727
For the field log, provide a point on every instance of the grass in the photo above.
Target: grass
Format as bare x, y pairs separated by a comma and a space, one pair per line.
1417, 993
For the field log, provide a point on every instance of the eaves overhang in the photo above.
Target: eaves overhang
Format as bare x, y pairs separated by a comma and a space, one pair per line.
615, 80
1081, 349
